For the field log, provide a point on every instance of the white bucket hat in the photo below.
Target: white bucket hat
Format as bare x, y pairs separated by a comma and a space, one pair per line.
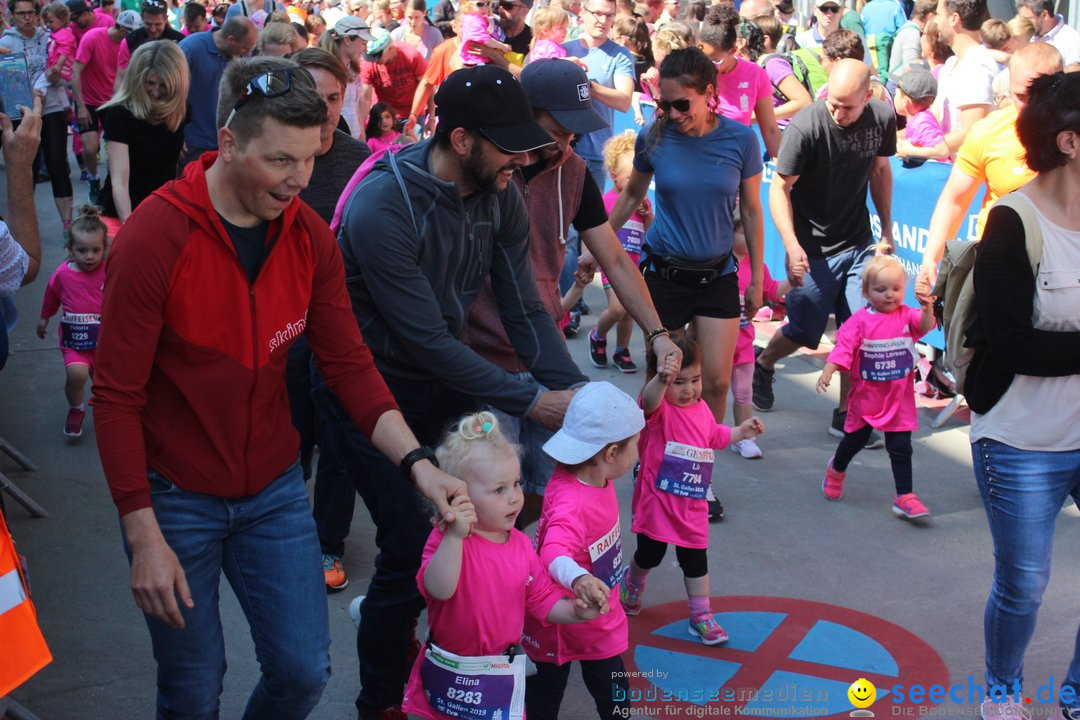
598, 415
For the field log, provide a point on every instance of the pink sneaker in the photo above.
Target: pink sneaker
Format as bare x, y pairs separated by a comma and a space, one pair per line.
73, 424
1007, 710
706, 628
909, 506
833, 484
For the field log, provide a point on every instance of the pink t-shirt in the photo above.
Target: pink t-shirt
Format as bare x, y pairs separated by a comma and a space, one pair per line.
744, 347
101, 20
62, 42
123, 56
476, 28
382, 142
631, 235
544, 48
498, 585
97, 53
738, 91
676, 466
879, 353
581, 522
923, 129
80, 295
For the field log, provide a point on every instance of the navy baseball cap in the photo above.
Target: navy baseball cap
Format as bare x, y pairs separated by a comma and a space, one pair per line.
562, 89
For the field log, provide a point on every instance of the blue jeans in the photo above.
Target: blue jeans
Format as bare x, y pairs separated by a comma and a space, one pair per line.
536, 465
833, 285
267, 548
1023, 492
402, 526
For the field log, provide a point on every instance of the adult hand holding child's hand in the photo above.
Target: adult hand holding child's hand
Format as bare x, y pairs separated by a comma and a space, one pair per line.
464, 517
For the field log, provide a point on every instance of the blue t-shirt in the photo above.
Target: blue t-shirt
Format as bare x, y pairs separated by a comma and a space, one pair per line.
883, 17
605, 63
207, 65
697, 181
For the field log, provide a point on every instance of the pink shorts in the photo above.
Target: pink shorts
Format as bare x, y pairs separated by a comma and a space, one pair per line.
78, 357
634, 258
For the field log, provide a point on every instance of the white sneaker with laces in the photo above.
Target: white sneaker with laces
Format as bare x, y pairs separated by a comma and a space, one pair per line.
747, 448
354, 609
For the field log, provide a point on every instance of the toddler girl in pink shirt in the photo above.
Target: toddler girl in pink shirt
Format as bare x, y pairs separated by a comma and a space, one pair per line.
78, 287
61, 58
669, 505
579, 541
479, 577
876, 346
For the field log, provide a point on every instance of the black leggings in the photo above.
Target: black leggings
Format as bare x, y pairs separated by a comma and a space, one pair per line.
693, 561
605, 679
54, 142
897, 444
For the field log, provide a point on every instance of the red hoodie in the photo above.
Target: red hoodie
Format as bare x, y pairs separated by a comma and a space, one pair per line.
190, 377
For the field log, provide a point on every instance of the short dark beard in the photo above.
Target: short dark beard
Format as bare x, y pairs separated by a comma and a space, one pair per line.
472, 168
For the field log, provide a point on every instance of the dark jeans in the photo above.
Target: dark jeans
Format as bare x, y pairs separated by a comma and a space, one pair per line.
402, 520
605, 679
298, 387
897, 444
334, 495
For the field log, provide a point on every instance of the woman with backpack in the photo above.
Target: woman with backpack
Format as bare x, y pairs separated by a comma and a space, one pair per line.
787, 73
1023, 384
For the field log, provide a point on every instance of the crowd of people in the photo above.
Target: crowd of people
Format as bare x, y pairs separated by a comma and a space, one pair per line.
280, 177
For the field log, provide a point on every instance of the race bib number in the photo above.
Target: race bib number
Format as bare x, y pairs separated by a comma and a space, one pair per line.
79, 331
885, 360
743, 320
489, 687
606, 557
685, 470
632, 235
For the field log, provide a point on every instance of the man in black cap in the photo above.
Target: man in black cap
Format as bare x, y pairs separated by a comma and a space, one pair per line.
560, 193
420, 236
155, 26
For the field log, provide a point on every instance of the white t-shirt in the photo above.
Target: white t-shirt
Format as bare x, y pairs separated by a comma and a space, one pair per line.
1053, 399
1065, 38
966, 82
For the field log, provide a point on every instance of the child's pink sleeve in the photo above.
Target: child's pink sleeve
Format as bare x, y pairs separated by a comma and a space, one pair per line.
545, 49
474, 28
562, 531
51, 302
542, 593
847, 339
721, 437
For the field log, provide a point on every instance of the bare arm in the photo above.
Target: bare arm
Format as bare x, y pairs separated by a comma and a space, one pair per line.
754, 230
797, 97
120, 174
420, 97
654, 392
20, 149
949, 214
443, 570
881, 193
618, 97
766, 120
76, 87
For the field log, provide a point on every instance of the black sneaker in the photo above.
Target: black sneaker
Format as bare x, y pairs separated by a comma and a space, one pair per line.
716, 508
95, 190
763, 388
574, 326
836, 429
598, 350
585, 309
621, 360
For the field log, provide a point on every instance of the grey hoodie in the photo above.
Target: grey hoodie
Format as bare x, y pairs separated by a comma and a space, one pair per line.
414, 272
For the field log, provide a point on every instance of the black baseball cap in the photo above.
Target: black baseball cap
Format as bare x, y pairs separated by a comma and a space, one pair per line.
77, 7
489, 99
562, 89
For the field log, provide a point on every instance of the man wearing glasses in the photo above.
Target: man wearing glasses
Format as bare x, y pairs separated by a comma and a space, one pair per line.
421, 235
211, 280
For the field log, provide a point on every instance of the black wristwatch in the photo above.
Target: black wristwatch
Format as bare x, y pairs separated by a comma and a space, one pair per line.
414, 456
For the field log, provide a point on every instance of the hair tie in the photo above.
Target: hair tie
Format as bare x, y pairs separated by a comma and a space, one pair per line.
484, 428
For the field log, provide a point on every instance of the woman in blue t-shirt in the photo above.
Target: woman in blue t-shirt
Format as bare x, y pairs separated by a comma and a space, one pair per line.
701, 163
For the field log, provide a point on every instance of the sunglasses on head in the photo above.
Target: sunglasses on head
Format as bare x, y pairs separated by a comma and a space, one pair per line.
270, 85
682, 105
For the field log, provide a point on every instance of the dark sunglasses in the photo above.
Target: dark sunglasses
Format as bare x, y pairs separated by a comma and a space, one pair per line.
270, 85
829, 9
682, 105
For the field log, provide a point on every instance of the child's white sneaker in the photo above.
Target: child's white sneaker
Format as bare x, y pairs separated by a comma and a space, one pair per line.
747, 448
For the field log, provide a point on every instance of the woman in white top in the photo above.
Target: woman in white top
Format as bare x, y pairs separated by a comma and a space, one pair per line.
1023, 385
416, 30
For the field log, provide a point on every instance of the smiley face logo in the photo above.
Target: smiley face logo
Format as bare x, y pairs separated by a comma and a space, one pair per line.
862, 693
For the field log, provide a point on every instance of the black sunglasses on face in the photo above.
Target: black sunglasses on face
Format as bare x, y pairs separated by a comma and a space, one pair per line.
829, 9
270, 85
682, 105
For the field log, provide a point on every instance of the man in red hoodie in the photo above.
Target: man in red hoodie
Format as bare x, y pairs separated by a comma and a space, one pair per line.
209, 283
